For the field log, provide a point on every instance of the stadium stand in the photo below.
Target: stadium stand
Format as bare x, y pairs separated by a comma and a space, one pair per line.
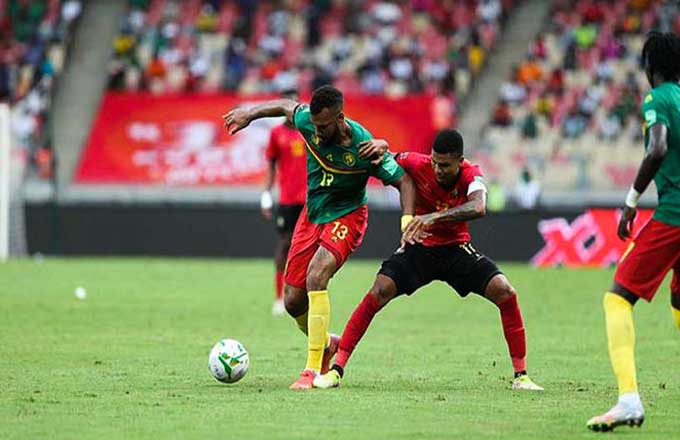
369, 47
570, 110
35, 39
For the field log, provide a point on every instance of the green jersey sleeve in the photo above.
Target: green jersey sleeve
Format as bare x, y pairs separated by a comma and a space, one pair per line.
302, 118
388, 171
654, 111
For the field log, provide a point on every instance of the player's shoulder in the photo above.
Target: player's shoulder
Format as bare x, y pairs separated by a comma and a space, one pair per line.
470, 170
662, 94
360, 132
413, 158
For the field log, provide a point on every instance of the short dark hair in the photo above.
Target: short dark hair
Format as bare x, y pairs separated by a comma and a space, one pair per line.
448, 141
325, 97
661, 53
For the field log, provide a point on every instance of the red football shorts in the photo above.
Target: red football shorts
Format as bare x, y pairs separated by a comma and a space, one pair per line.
340, 237
649, 257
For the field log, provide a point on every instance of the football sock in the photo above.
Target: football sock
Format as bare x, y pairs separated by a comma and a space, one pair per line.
355, 328
676, 316
279, 284
621, 341
515, 336
317, 327
302, 322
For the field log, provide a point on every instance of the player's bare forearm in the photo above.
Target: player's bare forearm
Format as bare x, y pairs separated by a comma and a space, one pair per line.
656, 151
474, 208
279, 107
407, 194
269, 178
238, 118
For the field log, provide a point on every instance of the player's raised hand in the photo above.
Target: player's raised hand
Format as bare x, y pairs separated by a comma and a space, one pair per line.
416, 231
625, 229
373, 150
236, 119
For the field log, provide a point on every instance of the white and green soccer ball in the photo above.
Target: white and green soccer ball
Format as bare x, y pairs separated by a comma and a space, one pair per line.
228, 361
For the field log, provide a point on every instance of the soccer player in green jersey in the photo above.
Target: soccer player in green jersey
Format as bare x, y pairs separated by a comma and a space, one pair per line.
333, 223
656, 248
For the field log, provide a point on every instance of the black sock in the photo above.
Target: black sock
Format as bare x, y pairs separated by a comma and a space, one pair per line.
339, 369
520, 373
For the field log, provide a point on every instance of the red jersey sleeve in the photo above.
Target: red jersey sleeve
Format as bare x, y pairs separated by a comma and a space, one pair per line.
271, 151
406, 161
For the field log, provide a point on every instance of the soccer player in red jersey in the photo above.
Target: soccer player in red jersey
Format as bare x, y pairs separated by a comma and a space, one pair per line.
335, 217
285, 151
436, 246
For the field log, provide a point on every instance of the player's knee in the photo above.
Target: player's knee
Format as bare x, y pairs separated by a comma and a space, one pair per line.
318, 277
295, 300
383, 292
500, 290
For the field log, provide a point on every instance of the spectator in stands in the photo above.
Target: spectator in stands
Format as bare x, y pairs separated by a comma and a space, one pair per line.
502, 117
512, 91
574, 124
529, 127
529, 71
527, 191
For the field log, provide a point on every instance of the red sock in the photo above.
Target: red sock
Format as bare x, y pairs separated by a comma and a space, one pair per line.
513, 329
279, 284
355, 328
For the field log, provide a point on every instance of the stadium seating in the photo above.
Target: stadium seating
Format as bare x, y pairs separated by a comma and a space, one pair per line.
35, 38
370, 47
570, 110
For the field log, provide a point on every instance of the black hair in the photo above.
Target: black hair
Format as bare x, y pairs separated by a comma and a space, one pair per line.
448, 142
661, 53
325, 97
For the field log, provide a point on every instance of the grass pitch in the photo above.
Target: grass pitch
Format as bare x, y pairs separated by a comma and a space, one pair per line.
130, 361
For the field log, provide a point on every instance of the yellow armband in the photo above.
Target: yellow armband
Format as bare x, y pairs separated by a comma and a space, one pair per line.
405, 220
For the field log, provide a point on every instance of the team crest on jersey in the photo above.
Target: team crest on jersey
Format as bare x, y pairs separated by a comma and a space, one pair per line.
329, 157
649, 98
349, 159
455, 193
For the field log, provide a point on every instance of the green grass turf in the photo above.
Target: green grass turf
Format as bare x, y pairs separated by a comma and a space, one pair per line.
131, 360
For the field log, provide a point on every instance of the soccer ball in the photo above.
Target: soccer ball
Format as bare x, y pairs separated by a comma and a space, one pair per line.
228, 361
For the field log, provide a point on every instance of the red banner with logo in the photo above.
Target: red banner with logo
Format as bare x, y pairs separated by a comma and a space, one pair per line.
179, 140
589, 240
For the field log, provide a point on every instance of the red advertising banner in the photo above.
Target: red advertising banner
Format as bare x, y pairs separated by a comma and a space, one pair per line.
179, 140
589, 240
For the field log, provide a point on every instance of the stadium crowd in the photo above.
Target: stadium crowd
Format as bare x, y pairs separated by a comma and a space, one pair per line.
249, 46
571, 109
35, 35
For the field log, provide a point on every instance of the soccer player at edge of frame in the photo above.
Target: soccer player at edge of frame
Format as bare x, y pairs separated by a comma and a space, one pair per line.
436, 246
656, 248
285, 152
341, 156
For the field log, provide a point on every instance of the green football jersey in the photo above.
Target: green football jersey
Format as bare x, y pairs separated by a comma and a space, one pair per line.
662, 106
336, 177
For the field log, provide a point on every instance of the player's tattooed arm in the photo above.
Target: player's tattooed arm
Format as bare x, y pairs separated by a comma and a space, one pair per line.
238, 118
656, 151
475, 207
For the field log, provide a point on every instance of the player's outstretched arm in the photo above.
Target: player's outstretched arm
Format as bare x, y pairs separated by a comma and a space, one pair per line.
407, 197
474, 208
238, 118
656, 151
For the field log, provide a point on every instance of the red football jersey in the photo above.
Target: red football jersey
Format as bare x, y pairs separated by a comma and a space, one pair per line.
431, 196
287, 148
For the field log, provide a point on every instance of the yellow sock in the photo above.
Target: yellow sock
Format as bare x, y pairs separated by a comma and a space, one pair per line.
301, 322
676, 316
621, 341
317, 326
